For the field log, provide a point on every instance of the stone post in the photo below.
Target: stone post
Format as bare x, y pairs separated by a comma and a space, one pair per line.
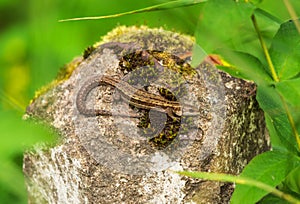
129, 155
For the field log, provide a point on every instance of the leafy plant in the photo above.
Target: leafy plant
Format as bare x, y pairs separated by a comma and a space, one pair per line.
260, 47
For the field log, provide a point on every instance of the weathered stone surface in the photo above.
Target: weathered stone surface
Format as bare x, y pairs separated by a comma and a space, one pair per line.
108, 159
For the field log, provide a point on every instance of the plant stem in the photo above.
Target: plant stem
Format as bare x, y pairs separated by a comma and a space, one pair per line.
265, 49
276, 79
162, 6
293, 14
240, 180
291, 120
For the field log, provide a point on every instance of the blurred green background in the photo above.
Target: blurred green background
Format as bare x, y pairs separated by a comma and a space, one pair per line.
34, 46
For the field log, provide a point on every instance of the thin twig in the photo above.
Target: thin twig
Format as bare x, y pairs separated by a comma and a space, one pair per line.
265, 49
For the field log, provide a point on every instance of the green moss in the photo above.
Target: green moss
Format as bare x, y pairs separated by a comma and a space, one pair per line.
151, 60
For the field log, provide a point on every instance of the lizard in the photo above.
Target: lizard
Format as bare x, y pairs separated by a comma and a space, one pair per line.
136, 97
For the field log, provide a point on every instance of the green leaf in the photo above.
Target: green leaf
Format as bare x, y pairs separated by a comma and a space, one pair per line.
270, 168
290, 91
286, 188
163, 6
256, 1
244, 66
277, 120
285, 51
277, 139
268, 26
285, 134
293, 180
270, 101
240, 180
225, 24
271, 199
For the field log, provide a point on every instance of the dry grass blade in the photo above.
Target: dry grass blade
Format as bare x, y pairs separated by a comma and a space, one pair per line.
163, 6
